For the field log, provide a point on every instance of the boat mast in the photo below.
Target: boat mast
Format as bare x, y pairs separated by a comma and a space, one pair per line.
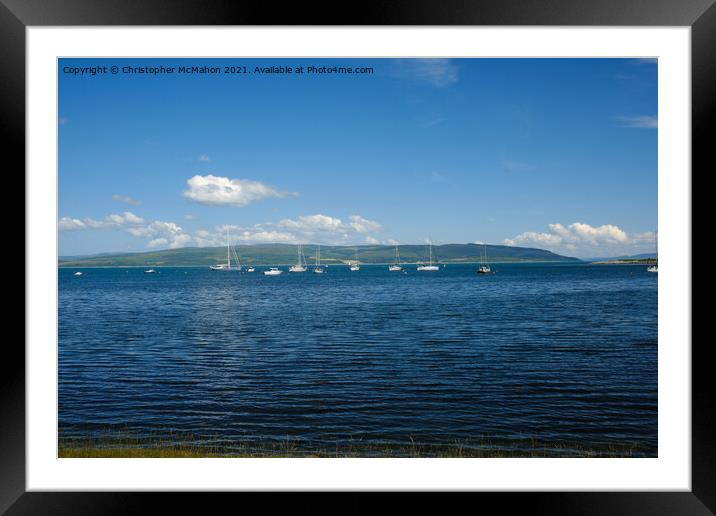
228, 254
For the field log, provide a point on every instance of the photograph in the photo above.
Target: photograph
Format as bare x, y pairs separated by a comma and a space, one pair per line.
414, 257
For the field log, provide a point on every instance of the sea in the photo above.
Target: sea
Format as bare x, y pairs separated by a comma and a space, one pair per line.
558, 356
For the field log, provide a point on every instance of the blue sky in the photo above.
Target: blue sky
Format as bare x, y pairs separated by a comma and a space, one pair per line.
559, 154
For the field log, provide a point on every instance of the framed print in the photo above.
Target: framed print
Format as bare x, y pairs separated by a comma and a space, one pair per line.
427, 249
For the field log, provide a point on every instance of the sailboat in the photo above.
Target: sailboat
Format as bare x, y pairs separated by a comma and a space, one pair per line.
229, 251
484, 267
655, 267
318, 269
301, 265
430, 266
396, 267
78, 273
354, 265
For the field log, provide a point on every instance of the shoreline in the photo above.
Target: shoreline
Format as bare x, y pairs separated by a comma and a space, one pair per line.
67, 266
176, 447
626, 262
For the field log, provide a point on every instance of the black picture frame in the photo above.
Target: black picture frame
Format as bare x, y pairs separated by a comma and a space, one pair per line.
700, 15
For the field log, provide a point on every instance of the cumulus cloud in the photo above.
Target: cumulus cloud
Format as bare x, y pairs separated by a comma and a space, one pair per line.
223, 191
310, 223
316, 228
126, 219
126, 199
435, 72
327, 229
362, 225
158, 242
582, 240
160, 233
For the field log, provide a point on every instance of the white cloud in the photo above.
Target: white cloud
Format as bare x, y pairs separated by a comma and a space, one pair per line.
316, 228
640, 122
161, 233
204, 157
222, 191
127, 219
158, 242
582, 240
435, 72
362, 225
312, 223
126, 199
69, 224
269, 237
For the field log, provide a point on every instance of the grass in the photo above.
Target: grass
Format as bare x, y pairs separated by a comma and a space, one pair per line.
185, 446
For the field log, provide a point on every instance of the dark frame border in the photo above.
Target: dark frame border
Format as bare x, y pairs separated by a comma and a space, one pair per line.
700, 15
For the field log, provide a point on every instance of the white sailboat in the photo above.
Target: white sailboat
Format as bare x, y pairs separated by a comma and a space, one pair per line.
78, 273
655, 267
396, 267
150, 271
229, 251
484, 267
354, 265
273, 271
318, 269
301, 265
429, 266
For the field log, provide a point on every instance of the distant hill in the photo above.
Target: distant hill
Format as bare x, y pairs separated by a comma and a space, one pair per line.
283, 254
642, 256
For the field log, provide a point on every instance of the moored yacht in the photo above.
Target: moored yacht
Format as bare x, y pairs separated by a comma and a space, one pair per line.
354, 266
429, 266
229, 252
318, 269
396, 267
273, 271
484, 267
301, 265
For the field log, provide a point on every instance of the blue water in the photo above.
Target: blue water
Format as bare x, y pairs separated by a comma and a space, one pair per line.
554, 353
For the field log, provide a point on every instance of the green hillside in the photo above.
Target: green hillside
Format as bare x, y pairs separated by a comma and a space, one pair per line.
282, 254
